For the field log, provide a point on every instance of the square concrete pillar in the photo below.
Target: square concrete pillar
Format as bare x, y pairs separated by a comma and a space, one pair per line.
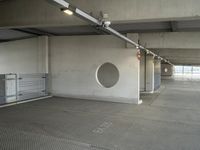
143, 72
157, 74
149, 74
166, 71
43, 54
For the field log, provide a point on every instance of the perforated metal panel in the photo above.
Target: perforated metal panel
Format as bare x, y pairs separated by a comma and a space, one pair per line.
31, 86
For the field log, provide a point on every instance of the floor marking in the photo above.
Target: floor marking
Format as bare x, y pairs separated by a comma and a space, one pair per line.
102, 127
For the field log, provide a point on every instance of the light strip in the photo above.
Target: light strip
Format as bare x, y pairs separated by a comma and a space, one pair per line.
62, 3
69, 12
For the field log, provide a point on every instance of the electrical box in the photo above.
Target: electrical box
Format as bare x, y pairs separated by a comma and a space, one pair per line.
8, 88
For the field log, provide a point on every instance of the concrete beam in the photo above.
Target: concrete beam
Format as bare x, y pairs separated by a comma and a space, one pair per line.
41, 13
176, 40
180, 56
185, 62
174, 26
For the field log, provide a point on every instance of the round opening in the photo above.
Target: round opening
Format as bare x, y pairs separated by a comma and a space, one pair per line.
166, 70
107, 75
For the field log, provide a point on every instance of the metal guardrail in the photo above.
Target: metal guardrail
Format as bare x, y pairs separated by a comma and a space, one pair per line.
31, 86
19, 87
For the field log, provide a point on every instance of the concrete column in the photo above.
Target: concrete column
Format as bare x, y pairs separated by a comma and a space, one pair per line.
149, 74
166, 71
157, 74
43, 54
143, 72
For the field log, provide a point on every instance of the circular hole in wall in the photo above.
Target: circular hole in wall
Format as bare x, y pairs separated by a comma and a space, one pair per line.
166, 70
107, 75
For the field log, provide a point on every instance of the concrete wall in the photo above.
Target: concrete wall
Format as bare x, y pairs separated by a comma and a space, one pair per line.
24, 56
157, 74
149, 74
75, 60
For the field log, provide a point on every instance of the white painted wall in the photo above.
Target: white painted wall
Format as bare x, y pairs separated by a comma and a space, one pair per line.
74, 62
24, 56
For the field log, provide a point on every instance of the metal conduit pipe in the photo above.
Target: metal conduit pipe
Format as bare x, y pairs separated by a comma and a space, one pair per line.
101, 25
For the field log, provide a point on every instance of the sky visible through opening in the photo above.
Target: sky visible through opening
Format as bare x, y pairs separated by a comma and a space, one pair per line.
187, 71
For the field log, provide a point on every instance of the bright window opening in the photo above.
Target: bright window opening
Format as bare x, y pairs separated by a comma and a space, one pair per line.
187, 71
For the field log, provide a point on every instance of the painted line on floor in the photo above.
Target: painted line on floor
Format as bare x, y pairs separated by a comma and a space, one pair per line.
27, 101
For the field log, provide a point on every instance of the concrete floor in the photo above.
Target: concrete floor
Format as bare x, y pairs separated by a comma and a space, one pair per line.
166, 121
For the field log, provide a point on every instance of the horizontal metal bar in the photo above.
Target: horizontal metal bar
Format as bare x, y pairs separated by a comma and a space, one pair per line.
8, 79
111, 30
87, 17
8, 96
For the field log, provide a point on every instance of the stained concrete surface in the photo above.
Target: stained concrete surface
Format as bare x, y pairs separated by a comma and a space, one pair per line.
166, 121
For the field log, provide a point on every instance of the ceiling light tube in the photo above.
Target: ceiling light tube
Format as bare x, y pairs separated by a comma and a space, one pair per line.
62, 3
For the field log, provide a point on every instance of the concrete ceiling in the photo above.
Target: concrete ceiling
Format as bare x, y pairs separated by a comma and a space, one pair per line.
176, 56
8, 34
19, 20
142, 27
180, 56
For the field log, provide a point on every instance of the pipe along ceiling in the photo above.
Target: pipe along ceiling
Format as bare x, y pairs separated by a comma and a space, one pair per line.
102, 25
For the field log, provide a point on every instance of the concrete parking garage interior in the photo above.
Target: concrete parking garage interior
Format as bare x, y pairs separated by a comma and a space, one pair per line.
99, 75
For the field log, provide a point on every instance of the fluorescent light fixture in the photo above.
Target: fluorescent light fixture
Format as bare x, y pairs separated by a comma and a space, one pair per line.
69, 12
62, 3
